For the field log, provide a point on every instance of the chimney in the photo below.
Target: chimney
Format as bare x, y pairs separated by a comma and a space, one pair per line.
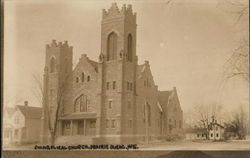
26, 103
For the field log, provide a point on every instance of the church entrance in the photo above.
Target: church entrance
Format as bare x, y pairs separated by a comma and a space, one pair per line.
80, 127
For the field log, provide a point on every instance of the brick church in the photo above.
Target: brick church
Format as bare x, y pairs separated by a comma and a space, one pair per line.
112, 100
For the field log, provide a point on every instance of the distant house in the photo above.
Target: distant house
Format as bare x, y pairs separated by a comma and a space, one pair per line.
216, 131
7, 125
24, 125
195, 133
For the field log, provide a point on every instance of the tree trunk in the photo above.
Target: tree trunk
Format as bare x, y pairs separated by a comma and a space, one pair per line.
53, 138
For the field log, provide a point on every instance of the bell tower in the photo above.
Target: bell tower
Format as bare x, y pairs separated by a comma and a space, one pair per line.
117, 78
57, 87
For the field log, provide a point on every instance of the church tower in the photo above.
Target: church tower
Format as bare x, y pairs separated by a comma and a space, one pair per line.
57, 89
117, 75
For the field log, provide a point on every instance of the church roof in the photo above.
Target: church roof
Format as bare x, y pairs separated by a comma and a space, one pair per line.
163, 97
94, 64
30, 112
141, 68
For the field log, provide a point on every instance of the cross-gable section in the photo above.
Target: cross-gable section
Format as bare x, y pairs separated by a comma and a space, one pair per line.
145, 80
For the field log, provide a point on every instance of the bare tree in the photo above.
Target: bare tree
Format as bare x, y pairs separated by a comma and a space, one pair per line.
237, 64
205, 114
237, 124
51, 114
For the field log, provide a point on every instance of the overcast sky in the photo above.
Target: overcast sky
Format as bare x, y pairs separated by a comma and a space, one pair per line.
186, 42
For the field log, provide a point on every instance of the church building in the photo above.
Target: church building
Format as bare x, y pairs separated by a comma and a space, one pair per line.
112, 100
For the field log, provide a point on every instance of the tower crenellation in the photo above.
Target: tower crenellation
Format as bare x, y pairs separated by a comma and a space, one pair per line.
55, 44
114, 11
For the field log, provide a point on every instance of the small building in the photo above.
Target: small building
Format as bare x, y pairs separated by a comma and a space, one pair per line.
216, 131
7, 125
195, 134
24, 125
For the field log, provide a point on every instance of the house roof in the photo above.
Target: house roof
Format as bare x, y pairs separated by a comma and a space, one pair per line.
78, 116
30, 112
9, 110
195, 130
217, 124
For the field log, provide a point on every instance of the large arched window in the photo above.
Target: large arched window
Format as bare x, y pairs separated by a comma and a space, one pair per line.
130, 52
52, 64
147, 114
81, 103
112, 46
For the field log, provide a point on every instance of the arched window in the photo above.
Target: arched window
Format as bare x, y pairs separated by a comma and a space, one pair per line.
52, 65
82, 78
130, 54
81, 104
148, 114
88, 79
112, 46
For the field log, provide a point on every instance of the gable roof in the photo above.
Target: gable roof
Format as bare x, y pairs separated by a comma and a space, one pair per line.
94, 64
84, 58
30, 112
163, 97
9, 110
140, 69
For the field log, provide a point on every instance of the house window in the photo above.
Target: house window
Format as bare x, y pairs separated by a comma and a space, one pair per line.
113, 124
129, 123
202, 135
92, 123
77, 79
110, 104
52, 65
16, 133
111, 46
24, 132
131, 86
88, 79
114, 84
129, 104
216, 128
16, 120
82, 78
107, 123
211, 134
130, 54
179, 123
107, 85
175, 123
6, 134
217, 135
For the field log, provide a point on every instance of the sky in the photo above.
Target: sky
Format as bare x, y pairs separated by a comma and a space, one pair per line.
186, 42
